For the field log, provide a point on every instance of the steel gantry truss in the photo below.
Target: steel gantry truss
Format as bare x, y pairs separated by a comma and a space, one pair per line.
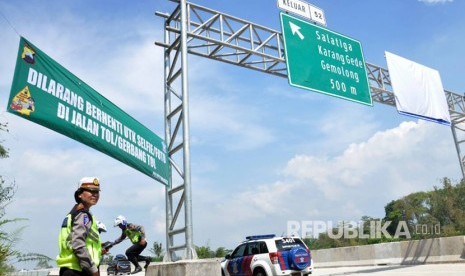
193, 29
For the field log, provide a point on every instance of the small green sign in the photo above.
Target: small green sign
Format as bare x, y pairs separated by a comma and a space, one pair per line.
324, 61
46, 93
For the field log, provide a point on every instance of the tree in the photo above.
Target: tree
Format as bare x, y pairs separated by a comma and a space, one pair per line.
425, 214
3, 150
448, 207
204, 252
9, 239
221, 252
6, 194
414, 209
432, 213
43, 263
157, 250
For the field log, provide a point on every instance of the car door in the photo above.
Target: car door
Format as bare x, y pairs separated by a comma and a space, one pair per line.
235, 265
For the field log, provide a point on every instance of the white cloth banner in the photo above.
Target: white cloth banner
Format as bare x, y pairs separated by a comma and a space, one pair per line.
418, 90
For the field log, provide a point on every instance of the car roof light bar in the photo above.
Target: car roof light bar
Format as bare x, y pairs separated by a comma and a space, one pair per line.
260, 237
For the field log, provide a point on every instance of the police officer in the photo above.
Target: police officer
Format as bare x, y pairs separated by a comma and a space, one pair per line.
80, 247
136, 235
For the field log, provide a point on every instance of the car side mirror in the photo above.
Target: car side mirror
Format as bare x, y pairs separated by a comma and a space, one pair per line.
227, 257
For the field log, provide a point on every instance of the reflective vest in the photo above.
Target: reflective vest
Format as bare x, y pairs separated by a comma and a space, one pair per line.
133, 235
66, 257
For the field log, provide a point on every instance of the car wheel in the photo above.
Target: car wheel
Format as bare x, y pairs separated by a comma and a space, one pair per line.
259, 272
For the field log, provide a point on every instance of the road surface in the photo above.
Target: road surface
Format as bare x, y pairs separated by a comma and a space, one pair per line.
398, 270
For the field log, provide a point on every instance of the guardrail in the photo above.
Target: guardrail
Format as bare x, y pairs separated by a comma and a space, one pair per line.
428, 251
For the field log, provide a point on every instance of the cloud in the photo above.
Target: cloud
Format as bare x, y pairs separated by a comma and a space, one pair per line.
435, 2
395, 153
410, 153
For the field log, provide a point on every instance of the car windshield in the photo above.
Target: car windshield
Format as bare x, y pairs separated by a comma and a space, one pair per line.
287, 244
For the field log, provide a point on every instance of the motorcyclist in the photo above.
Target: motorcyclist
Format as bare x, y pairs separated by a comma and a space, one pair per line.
136, 235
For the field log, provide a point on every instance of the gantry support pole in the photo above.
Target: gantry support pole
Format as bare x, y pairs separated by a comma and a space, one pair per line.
178, 194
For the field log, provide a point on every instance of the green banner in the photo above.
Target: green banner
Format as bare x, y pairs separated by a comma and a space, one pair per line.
46, 93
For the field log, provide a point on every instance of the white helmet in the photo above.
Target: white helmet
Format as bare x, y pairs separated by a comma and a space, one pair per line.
120, 220
101, 227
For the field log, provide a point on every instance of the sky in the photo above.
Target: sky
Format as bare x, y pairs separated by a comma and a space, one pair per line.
263, 153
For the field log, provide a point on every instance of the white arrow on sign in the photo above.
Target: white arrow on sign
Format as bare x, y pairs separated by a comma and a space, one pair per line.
296, 30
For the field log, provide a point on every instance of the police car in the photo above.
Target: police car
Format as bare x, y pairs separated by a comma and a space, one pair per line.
268, 255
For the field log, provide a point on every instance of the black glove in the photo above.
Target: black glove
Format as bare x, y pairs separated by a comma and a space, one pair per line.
107, 245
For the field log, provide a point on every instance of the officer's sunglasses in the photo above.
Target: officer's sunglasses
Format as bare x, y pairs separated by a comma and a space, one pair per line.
91, 191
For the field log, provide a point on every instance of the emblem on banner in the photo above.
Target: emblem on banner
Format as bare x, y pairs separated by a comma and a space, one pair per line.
28, 54
23, 102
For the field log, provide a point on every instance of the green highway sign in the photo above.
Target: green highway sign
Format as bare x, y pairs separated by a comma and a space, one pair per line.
324, 61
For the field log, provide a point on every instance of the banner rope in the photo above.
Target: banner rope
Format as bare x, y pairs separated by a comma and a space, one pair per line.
9, 23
